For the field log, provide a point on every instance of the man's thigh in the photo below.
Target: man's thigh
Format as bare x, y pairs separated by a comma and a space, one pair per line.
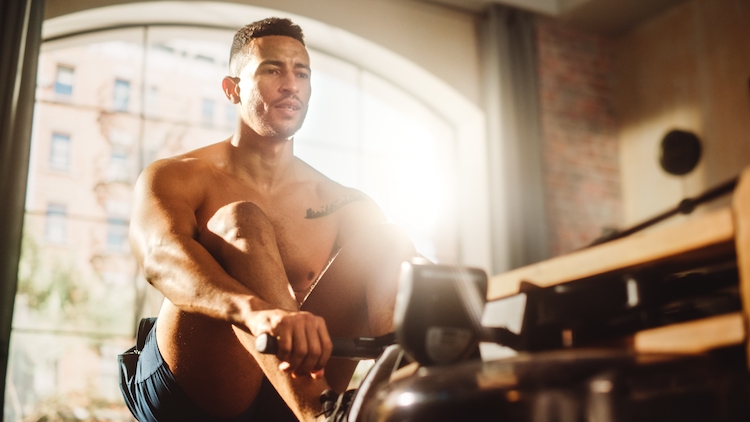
156, 396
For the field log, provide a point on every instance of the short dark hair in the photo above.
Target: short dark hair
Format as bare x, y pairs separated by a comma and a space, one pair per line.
262, 28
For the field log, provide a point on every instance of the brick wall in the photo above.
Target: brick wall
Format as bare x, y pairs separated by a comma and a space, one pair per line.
579, 131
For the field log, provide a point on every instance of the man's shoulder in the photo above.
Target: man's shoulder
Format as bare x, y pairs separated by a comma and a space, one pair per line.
186, 175
327, 188
346, 202
190, 164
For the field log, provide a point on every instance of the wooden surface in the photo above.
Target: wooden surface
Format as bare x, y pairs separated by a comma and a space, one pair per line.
708, 234
693, 337
718, 234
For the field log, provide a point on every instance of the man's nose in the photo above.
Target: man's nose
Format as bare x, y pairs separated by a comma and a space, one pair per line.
289, 83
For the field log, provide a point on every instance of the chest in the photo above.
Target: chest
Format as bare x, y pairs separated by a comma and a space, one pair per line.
305, 244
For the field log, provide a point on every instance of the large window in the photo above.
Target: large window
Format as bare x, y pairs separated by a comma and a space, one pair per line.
79, 304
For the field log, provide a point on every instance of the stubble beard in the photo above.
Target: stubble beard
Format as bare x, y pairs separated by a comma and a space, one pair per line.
260, 121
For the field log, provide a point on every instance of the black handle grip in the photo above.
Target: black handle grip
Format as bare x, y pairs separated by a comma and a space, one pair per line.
352, 348
266, 344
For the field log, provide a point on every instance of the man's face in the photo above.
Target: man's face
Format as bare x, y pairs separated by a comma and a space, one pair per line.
275, 86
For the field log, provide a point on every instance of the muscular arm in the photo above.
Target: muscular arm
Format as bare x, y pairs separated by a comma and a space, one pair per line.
166, 241
163, 236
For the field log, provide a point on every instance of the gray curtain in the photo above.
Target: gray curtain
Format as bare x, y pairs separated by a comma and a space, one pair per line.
20, 37
519, 223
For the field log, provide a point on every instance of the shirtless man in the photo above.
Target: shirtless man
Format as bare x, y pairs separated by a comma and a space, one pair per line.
243, 238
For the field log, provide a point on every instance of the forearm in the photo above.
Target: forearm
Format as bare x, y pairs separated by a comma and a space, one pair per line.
189, 277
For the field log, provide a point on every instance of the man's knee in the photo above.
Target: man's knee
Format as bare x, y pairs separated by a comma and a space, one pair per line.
240, 221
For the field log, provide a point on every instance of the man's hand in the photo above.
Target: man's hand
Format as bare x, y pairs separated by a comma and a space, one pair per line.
304, 345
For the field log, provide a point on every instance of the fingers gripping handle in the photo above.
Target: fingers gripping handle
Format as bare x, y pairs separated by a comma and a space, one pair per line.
352, 348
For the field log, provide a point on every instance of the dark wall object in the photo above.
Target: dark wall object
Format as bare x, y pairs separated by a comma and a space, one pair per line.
680, 152
20, 37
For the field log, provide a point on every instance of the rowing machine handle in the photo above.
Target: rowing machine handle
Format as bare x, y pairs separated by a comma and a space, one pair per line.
351, 348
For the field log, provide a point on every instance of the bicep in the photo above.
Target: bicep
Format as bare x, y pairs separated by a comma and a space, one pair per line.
162, 208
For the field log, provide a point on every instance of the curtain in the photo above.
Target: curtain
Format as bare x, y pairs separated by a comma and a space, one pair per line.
518, 221
20, 38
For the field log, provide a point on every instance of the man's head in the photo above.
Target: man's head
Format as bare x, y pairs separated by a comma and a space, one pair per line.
238, 55
270, 81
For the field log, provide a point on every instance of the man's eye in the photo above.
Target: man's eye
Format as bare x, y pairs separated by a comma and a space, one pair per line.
303, 75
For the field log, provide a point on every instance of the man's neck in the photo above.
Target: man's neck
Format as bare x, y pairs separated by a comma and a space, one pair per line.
267, 162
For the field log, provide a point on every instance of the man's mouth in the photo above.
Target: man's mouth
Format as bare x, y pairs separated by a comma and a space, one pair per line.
286, 105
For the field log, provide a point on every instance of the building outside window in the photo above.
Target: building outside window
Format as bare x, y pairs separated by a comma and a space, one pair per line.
121, 95
64, 80
56, 224
59, 154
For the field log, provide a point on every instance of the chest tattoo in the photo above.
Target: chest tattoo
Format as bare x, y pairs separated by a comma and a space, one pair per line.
333, 206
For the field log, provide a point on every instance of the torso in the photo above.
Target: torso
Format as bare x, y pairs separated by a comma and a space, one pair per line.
312, 218
305, 244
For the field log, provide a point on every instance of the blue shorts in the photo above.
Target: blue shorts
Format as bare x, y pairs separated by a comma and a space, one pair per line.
153, 395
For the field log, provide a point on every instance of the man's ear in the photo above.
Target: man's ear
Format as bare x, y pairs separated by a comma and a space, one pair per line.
231, 87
